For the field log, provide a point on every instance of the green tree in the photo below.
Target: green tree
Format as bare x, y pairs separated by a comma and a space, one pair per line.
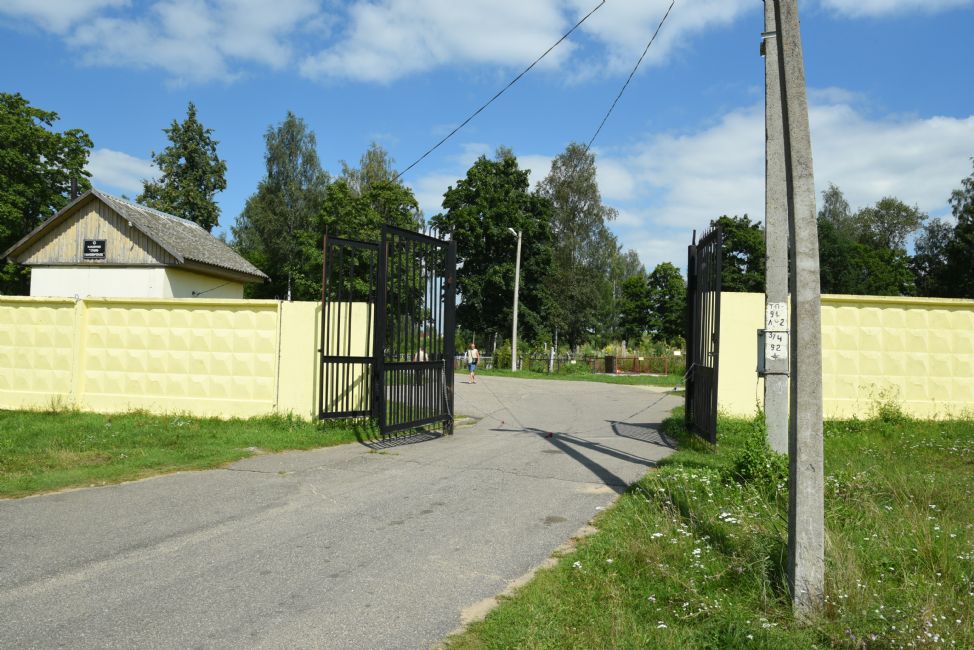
835, 211
960, 251
276, 230
634, 308
583, 245
191, 173
863, 253
742, 266
930, 261
493, 197
887, 224
667, 302
36, 167
366, 197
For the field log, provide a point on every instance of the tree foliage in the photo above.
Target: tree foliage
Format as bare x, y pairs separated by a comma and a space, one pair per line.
634, 308
37, 164
583, 248
191, 173
276, 230
667, 292
863, 253
366, 197
743, 254
960, 249
887, 224
930, 261
493, 197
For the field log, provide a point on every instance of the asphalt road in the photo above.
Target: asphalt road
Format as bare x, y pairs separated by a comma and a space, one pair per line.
347, 547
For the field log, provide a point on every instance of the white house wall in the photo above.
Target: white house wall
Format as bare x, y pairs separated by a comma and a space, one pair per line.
183, 284
98, 282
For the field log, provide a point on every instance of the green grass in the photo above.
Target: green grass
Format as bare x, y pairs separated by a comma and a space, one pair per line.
693, 555
42, 451
628, 380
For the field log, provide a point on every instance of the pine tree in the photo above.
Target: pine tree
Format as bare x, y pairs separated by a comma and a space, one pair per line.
191, 173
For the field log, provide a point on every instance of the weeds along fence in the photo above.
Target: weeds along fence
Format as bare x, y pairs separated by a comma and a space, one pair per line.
630, 364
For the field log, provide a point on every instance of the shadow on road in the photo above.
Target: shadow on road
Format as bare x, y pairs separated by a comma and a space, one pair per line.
572, 447
643, 432
407, 438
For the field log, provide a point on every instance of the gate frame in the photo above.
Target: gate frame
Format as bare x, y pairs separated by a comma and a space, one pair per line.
704, 269
441, 397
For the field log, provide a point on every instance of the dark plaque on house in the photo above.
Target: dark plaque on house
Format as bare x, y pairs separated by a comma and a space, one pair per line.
94, 249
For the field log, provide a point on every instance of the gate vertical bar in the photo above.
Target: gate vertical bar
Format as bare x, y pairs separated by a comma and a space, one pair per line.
692, 327
378, 347
449, 326
321, 349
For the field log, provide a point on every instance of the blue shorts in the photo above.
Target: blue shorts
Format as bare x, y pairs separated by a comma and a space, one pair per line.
472, 366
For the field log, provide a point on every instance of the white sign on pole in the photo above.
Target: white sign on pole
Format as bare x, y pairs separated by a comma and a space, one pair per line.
776, 331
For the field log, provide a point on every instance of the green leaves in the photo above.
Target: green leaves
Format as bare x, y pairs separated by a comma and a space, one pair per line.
276, 230
493, 197
744, 254
191, 173
36, 168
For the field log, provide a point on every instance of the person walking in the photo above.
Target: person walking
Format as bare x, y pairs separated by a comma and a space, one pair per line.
472, 358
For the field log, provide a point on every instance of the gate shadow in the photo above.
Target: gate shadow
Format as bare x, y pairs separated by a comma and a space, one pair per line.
642, 432
389, 442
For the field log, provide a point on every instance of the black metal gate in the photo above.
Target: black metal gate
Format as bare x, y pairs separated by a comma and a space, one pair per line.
387, 330
348, 290
703, 336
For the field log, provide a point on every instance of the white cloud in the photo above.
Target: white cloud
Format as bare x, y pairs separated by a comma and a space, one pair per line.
119, 171
56, 15
390, 39
683, 181
624, 26
860, 8
193, 40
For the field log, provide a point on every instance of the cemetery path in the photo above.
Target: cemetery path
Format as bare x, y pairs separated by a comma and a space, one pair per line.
345, 547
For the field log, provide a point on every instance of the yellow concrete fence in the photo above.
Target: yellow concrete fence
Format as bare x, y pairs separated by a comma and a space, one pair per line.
203, 357
916, 352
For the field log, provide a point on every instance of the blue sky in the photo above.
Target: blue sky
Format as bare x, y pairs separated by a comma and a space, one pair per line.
890, 82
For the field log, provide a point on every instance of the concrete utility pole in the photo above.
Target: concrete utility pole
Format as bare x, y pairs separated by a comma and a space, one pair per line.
806, 521
776, 245
517, 286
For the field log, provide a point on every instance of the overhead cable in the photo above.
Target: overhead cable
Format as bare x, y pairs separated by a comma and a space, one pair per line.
631, 75
502, 91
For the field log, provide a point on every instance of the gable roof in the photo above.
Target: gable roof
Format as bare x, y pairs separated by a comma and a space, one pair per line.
185, 240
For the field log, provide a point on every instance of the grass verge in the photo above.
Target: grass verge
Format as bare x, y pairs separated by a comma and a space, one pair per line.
42, 451
628, 380
693, 555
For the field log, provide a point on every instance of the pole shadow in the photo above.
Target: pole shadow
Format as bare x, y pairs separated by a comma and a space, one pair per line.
572, 447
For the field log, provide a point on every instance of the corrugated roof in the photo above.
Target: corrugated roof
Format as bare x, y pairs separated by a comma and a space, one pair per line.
184, 239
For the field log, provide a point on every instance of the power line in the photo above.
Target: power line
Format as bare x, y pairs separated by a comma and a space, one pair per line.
631, 75
503, 90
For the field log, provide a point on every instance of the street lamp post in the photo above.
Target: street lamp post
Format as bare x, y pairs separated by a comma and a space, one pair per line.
517, 286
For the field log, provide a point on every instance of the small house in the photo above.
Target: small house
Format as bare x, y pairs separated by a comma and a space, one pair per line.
103, 246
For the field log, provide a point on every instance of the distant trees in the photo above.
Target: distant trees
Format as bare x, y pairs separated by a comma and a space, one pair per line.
864, 253
742, 267
276, 230
959, 263
667, 302
480, 207
364, 198
37, 164
191, 173
583, 247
